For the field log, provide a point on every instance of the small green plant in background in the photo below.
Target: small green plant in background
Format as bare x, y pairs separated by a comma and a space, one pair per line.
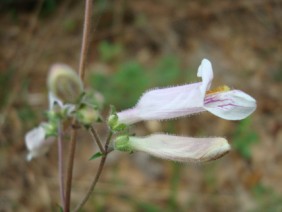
128, 83
131, 78
109, 51
167, 71
244, 138
267, 199
6, 82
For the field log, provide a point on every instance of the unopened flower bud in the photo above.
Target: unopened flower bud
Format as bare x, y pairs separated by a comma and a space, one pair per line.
114, 123
64, 83
87, 116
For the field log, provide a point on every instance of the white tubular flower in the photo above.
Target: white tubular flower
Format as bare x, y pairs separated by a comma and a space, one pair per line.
175, 148
37, 143
173, 102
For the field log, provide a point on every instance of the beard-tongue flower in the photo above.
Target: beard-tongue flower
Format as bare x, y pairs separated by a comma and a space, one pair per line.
173, 102
37, 142
176, 148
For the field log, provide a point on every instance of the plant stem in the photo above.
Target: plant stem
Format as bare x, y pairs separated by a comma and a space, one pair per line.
96, 138
85, 38
98, 174
60, 165
69, 169
83, 54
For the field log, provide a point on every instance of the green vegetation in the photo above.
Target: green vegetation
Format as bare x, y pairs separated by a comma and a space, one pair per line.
244, 138
267, 199
124, 86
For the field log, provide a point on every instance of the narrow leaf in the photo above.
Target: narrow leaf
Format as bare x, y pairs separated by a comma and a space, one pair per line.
96, 155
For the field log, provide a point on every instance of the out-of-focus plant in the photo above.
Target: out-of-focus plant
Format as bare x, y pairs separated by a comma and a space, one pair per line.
244, 137
132, 78
266, 198
72, 107
129, 82
5, 81
109, 51
166, 72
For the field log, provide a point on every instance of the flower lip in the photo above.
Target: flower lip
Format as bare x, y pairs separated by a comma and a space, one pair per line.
230, 105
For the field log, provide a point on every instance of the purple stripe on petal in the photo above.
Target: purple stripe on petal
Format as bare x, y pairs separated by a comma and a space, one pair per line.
230, 105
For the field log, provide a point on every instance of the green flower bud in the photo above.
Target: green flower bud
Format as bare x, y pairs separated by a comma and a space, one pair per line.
50, 129
87, 115
64, 83
122, 143
93, 99
114, 124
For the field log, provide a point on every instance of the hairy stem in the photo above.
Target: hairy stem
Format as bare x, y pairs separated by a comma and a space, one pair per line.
98, 174
82, 62
60, 164
96, 138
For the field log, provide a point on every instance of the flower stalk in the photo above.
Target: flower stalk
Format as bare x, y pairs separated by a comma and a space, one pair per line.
60, 165
83, 54
98, 173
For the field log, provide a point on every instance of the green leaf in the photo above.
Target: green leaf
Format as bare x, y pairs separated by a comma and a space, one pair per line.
96, 155
245, 138
60, 208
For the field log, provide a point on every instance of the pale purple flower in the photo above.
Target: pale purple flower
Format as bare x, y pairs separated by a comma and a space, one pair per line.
176, 148
37, 143
173, 102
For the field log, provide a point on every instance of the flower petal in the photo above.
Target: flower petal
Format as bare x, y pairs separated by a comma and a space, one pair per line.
53, 100
36, 143
230, 105
205, 71
182, 149
173, 102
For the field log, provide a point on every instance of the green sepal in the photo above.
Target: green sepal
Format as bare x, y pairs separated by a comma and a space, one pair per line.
50, 129
90, 100
113, 121
122, 143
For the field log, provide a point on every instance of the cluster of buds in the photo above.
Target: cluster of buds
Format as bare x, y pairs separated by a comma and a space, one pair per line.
67, 98
174, 102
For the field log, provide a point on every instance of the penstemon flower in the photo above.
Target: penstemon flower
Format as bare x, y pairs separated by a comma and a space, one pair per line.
176, 148
173, 102
37, 142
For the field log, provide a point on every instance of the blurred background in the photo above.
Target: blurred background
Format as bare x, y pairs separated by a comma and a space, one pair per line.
137, 45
